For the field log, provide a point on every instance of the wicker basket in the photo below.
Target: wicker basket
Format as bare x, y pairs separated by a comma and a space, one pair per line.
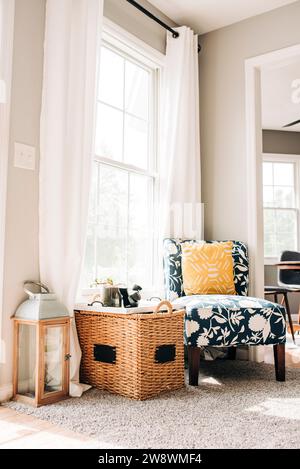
135, 355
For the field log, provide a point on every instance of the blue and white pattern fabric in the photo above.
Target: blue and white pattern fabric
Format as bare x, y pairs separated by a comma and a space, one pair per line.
223, 321
173, 270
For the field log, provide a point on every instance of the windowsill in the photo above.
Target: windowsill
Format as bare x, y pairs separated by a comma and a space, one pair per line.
270, 261
147, 293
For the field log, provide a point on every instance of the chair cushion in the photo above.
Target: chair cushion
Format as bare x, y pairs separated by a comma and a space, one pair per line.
223, 321
207, 268
173, 268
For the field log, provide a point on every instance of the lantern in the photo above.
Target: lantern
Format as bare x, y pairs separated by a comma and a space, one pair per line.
41, 348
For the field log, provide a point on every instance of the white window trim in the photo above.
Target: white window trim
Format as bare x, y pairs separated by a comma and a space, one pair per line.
137, 49
131, 44
6, 74
284, 158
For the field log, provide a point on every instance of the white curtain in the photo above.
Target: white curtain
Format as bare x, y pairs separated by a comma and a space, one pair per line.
73, 33
180, 193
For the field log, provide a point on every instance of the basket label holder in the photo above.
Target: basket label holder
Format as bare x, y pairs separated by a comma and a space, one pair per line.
165, 353
105, 353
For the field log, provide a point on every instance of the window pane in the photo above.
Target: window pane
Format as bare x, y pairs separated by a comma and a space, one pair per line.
136, 90
285, 241
281, 231
268, 174
268, 196
270, 245
269, 221
283, 174
113, 196
284, 197
139, 256
111, 80
112, 253
136, 142
140, 230
286, 222
109, 133
140, 200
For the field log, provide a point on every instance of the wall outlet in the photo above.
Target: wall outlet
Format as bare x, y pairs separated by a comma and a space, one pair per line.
24, 156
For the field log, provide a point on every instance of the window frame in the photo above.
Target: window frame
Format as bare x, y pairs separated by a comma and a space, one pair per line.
285, 158
129, 46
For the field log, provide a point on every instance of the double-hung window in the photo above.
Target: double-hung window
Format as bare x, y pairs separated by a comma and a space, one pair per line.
281, 205
121, 229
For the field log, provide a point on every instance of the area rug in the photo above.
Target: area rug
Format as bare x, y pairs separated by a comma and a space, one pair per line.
238, 404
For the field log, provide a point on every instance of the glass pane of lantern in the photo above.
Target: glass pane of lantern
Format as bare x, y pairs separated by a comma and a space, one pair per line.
27, 360
53, 359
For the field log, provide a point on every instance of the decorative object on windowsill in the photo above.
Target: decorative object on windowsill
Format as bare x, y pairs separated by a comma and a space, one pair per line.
113, 295
97, 282
109, 295
41, 347
131, 300
136, 355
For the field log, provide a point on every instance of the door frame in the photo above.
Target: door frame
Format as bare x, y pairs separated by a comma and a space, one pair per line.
254, 152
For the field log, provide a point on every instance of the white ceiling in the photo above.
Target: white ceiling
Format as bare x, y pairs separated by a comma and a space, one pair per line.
206, 15
278, 107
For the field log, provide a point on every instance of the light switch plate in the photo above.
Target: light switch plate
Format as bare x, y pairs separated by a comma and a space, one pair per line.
24, 156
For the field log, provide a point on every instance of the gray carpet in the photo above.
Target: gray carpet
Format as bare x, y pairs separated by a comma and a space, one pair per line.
237, 405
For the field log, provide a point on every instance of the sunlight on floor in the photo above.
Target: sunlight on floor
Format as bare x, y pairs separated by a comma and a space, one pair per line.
22, 431
211, 380
279, 407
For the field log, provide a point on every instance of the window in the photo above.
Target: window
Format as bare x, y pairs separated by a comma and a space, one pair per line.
280, 198
121, 227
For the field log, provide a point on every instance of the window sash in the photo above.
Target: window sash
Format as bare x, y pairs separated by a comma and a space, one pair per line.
138, 53
98, 223
290, 159
152, 121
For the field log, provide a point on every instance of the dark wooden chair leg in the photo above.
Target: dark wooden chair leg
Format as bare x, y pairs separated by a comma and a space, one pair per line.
194, 364
231, 353
279, 360
287, 307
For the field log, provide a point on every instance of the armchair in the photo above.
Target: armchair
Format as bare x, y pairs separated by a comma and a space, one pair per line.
225, 320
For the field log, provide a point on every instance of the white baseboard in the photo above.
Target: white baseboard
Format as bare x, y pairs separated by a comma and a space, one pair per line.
6, 392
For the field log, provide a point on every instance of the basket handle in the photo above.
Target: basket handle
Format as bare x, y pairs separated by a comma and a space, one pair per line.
93, 302
163, 303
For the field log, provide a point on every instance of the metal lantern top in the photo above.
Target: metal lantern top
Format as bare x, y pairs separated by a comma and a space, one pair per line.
40, 305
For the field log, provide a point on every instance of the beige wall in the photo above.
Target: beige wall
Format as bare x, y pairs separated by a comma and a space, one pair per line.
281, 142
222, 107
21, 242
129, 18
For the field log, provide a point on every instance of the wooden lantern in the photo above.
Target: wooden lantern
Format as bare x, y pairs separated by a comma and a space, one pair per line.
41, 350
41, 360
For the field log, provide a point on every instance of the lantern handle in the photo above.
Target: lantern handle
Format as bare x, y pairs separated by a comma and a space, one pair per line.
38, 284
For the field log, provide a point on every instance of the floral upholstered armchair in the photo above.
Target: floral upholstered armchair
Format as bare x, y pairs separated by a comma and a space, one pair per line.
224, 320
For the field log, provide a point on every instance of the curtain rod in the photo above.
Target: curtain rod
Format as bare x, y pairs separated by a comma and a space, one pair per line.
175, 34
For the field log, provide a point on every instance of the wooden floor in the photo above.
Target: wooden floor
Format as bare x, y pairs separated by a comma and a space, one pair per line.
18, 431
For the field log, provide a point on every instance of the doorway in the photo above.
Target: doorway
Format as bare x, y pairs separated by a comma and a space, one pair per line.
272, 102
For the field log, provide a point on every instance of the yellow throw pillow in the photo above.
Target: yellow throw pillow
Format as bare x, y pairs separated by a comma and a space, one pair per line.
207, 269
